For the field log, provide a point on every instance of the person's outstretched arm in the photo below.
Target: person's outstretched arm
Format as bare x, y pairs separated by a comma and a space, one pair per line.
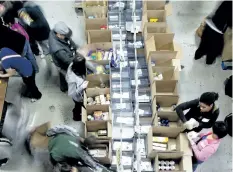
184, 106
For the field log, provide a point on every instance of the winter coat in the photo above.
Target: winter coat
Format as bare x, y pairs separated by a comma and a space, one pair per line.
11, 39
62, 51
222, 17
39, 28
75, 85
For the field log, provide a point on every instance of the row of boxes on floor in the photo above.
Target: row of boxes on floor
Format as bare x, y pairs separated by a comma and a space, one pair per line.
165, 142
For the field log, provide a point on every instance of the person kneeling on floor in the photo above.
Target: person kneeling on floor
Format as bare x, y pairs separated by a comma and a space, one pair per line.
11, 62
65, 146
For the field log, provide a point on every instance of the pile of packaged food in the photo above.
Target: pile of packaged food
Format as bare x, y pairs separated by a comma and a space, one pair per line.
100, 54
99, 115
99, 100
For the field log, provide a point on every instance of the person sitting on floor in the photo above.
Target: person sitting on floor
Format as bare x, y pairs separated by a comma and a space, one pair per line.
205, 145
11, 62
202, 112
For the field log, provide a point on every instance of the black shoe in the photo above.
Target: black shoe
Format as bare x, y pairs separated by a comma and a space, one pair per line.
3, 161
210, 62
198, 55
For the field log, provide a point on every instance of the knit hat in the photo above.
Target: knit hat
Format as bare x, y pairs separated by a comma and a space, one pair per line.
61, 28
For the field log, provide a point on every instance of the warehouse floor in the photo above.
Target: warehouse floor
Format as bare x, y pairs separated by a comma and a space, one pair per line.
195, 79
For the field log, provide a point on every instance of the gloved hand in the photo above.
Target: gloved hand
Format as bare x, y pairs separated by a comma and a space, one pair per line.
190, 140
192, 123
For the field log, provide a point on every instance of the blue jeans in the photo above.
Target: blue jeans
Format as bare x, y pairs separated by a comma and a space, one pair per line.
196, 165
27, 52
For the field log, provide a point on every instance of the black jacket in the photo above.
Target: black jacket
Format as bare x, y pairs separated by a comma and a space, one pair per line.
11, 39
62, 51
39, 29
205, 119
223, 16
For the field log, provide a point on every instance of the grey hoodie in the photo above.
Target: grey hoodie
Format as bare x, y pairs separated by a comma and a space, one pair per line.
75, 85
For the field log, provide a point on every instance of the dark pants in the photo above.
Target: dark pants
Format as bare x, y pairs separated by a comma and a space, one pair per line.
77, 116
34, 46
63, 83
31, 91
211, 45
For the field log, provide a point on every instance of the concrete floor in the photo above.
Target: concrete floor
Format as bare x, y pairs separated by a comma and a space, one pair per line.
195, 79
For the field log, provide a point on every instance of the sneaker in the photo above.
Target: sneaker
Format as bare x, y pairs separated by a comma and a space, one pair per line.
3, 161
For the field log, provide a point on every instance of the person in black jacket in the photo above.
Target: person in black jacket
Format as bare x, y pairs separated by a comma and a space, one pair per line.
36, 25
212, 40
202, 112
17, 42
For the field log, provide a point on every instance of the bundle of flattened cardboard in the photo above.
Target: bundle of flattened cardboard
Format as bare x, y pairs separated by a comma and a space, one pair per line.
3, 89
167, 146
97, 113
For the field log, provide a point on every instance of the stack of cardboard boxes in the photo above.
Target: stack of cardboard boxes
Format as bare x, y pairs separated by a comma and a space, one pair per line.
97, 98
166, 143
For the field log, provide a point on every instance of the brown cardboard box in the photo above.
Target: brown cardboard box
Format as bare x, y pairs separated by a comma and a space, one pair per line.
94, 126
160, 42
158, 14
168, 73
151, 28
158, 5
92, 47
91, 3
99, 36
3, 89
227, 49
163, 59
91, 109
95, 24
165, 87
96, 80
166, 102
177, 139
106, 145
183, 163
96, 12
92, 92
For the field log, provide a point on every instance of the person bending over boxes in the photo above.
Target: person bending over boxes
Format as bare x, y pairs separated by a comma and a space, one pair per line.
202, 113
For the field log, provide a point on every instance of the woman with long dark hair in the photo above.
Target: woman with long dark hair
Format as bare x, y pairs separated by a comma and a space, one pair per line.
76, 79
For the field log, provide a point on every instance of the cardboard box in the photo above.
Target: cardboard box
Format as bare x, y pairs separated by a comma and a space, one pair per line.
166, 102
163, 58
93, 47
95, 126
160, 42
151, 28
168, 73
96, 12
91, 3
177, 139
166, 87
106, 145
91, 109
99, 36
95, 80
153, 14
95, 24
183, 163
158, 5
3, 90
